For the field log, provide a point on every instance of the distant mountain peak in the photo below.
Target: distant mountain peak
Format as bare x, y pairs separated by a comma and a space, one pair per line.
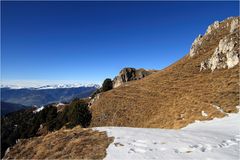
50, 86
46, 94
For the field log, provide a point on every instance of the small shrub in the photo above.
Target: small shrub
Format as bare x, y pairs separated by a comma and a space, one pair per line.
79, 114
107, 85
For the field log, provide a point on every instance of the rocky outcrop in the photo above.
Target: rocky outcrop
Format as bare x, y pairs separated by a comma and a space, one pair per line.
94, 99
231, 24
234, 25
130, 74
226, 54
212, 27
196, 43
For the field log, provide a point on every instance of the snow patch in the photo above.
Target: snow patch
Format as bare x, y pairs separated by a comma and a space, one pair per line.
38, 109
217, 139
60, 104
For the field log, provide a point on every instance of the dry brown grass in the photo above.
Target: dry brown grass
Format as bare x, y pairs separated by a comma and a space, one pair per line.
174, 96
76, 143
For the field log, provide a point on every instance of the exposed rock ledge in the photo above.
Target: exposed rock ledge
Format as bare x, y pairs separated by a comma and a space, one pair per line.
196, 43
232, 25
212, 27
129, 74
226, 55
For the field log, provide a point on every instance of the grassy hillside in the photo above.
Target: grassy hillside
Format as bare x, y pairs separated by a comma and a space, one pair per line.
76, 143
175, 96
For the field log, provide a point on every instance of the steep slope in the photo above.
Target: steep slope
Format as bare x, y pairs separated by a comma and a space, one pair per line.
181, 93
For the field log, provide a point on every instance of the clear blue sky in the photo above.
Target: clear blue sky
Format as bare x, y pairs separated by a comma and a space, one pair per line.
90, 41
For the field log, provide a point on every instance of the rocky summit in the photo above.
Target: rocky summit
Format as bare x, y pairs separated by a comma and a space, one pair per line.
130, 74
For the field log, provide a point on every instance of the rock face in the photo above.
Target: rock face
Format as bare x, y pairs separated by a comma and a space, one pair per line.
196, 43
94, 99
129, 74
226, 54
212, 27
234, 25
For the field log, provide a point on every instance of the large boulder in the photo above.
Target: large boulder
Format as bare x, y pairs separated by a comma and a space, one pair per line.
130, 74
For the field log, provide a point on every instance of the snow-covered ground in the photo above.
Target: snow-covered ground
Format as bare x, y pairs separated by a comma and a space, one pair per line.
218, 139
38, 109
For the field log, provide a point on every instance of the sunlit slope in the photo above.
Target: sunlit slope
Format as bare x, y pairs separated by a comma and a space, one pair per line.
176, 95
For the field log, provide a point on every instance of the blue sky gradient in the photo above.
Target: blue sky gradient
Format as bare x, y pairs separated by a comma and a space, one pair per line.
87, 42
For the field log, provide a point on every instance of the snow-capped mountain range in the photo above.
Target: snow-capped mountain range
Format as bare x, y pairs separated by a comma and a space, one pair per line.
45, 94
51, 86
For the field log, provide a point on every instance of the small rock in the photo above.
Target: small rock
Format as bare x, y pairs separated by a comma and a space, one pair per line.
212, 27
234, 25
195, 45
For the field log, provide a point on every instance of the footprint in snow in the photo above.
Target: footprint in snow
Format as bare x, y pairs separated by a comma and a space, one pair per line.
228, 143
183, 150
159, 143
118, 144
131, 151
202, 148
237, 138
192, 148
136, 150
139, 144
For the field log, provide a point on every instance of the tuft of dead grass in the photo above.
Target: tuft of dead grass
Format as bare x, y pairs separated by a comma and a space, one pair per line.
76, 143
